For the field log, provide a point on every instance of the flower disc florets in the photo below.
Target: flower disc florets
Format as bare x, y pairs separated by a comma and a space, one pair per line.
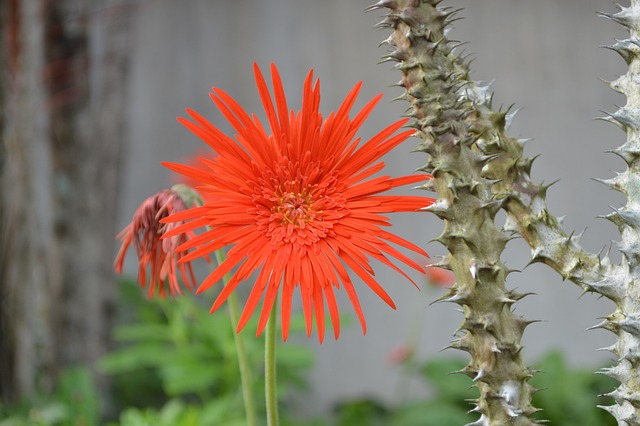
292, 207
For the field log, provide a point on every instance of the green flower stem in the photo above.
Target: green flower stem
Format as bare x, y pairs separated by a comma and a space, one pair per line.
270, 369
243, 363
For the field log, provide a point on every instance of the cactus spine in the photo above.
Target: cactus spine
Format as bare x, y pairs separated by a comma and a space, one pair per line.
480, 169
434, 79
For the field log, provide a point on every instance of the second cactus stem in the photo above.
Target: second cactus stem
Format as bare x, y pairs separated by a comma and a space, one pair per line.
622, 285
434, 78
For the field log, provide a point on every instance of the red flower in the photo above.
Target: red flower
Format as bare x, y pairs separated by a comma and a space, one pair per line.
298, 204
196, 162
438, 276
401, 354
162, 255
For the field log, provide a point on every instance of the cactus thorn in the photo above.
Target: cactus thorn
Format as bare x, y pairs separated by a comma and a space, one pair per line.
482, 421
621, 118
389, 4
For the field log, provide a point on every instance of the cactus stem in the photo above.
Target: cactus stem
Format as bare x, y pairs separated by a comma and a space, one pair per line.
443, 107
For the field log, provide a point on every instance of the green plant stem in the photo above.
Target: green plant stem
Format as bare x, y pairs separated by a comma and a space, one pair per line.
243, 363
270, 369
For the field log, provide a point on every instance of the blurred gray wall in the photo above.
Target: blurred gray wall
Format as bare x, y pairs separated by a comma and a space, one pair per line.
544, 57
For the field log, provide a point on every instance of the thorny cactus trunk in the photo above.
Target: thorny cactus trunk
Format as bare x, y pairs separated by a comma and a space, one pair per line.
434, 79
480, 169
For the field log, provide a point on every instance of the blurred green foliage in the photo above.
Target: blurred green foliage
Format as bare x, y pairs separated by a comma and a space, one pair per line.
568, 397
175, 365
73, 402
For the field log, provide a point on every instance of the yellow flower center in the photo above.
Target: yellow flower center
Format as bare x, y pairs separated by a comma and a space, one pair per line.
294, 208
297, 205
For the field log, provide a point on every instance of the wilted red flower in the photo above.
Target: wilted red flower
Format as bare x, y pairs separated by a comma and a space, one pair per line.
161, 255
298, 203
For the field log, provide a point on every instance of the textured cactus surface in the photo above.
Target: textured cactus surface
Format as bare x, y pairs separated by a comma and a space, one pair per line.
479, 169
622, 284
528, 215
436, 83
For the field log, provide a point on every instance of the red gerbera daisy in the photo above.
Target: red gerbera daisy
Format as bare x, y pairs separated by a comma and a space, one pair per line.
161, 255
298, 204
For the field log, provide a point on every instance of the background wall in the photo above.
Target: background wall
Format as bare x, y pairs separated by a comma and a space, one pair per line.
543, 55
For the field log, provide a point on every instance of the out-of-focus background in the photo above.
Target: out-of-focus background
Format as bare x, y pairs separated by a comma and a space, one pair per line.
90, 93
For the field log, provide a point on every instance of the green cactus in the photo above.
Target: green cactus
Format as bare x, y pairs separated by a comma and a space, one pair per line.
479, 169
434, 79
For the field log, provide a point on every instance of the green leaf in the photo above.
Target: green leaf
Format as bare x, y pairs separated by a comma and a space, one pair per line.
13, 421
362, 412
186, 377
431, 414
569, 395
219, 410
77, 391
49, 415
451, 387
142, 355
171, 412
135, 417
142, 332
